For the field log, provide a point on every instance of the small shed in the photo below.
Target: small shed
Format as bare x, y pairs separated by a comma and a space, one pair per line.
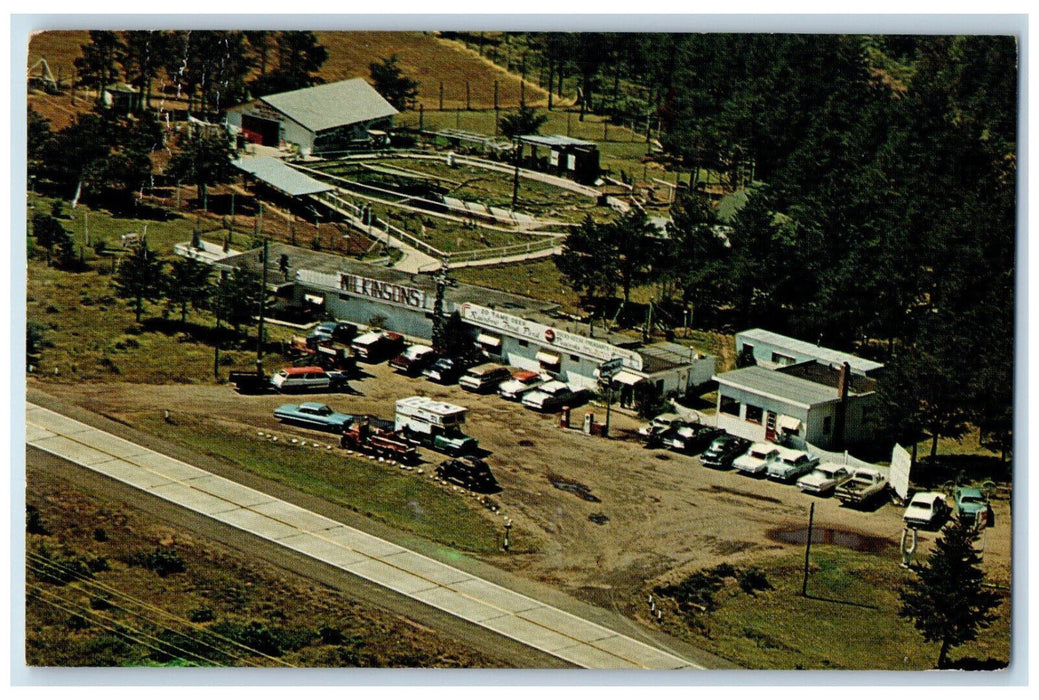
563, 156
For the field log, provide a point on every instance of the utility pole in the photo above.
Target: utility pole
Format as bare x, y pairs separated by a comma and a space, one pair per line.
808, 549
515, 177
263, 310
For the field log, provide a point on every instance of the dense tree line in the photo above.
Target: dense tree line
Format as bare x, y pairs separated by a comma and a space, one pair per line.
883, 203
213, 70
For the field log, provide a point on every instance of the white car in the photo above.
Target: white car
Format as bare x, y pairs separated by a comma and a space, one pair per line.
927, 508
550, 396
824, 479
522, 382
661, 424
756, 460
791, 465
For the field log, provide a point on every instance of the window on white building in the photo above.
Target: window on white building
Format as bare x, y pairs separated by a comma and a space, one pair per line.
730, 406
754, 414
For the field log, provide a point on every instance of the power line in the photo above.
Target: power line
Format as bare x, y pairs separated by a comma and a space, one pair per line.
81, 580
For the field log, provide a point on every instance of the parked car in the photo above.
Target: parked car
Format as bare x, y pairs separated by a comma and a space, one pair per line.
484, 378
791, 465
470, 473
756, 460
413, 360
445, 370
723, 450
863, 486
926, 509
661, 424
521, 383
550, 396
824, 479
690, 438
376, 346
339, 331
314, 378
313, 415
971, 504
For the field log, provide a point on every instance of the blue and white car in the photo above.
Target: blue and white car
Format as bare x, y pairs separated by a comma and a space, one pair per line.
311, 414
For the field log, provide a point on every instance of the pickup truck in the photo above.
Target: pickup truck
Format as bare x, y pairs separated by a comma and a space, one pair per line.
791, 465
372, 436
250, 382
863, 487
313, 415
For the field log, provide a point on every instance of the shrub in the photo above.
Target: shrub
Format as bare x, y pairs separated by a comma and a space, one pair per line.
203, 614
162, 560
34, 521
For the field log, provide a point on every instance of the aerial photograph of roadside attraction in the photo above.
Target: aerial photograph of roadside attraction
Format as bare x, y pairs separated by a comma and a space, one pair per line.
687, 352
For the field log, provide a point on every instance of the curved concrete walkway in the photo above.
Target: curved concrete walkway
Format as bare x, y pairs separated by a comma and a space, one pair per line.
519, 617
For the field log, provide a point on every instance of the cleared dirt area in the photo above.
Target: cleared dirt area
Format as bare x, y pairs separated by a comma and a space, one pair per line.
665, 515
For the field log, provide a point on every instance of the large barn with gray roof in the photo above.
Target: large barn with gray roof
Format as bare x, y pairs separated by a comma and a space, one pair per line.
317, 120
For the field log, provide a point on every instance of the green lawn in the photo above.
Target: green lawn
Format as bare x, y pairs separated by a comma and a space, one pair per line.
848, 621
405, 500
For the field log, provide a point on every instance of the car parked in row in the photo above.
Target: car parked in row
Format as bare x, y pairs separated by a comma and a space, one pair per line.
926, 509
299, 379
824, 479
971, 504
550, 396
377, 346
521, 383
661, 424
313, 415
723, 450
326, 331
484, 379
445, 370
413, 360
791, 465
692, 438
757, 459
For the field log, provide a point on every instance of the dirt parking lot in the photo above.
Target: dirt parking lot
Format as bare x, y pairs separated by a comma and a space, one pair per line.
637, 517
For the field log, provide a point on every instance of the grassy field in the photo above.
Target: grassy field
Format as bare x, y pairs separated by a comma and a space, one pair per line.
405, 500
848, 621
209, 605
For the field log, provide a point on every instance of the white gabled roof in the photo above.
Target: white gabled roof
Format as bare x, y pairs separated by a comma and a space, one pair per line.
332, 104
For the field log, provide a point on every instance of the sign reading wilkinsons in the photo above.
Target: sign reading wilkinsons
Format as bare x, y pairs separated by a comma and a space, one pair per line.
383, 291
546, 336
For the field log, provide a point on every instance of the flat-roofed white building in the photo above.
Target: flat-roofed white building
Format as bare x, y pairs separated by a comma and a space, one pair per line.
772, 350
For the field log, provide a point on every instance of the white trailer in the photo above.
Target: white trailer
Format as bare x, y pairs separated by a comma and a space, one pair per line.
433, 423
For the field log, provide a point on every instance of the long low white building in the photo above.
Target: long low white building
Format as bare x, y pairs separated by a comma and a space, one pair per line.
511, 329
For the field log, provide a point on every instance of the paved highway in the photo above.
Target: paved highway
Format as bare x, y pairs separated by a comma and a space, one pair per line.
459, 593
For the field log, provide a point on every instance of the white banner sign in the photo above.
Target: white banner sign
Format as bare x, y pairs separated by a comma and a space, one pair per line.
900, 464
547, 336
383, 291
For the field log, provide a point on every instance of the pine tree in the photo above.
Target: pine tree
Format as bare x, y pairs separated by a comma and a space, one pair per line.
398, 89
187, 282
946, 601
137, 277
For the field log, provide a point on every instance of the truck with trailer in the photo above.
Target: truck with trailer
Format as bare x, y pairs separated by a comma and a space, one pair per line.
370, 435
436, 424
